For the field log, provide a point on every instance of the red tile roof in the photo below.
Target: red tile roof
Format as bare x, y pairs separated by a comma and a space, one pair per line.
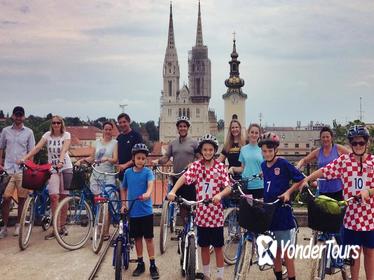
83, 132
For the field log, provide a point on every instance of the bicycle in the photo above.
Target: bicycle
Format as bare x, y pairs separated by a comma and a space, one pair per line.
80, 211
169, 211
112, 206
36, 208
325, 234
187, 243
232, 230
123, 244
258, 224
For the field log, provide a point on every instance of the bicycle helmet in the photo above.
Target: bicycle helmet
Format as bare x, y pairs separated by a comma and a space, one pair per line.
208, 138
183, 119
270, 139
139, 148
358, 131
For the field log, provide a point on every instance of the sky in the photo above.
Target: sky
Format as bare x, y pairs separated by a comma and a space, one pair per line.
301, 60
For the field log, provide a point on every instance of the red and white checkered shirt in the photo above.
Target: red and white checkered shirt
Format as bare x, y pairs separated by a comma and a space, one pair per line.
209, 182
359, 216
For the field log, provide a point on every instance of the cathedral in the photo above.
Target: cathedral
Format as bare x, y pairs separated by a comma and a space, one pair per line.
192, 100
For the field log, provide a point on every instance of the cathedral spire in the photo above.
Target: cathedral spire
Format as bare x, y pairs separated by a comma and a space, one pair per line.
199, 32
171, 41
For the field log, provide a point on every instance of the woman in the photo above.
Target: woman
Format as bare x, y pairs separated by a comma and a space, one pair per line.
234, 142
105, 155
251, 158
357, 173
57, 141
323, 156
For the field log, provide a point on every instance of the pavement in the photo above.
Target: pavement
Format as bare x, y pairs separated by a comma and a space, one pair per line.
47, 260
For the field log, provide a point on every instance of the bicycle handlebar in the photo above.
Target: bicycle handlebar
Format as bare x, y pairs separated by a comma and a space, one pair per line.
156, 167
102, 172
192, 203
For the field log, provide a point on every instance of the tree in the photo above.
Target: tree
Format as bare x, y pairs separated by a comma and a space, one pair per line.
1, 114
152, 130
221, 124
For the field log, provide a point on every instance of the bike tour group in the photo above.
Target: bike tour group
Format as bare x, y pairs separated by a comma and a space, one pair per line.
204, 187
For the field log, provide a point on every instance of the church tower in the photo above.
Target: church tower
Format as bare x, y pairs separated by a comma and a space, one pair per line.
234, 98
170, 91
199, 72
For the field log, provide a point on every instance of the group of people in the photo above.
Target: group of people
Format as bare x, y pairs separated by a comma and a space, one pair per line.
348, 172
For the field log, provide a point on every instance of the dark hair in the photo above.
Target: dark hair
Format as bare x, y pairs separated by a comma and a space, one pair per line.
326, 129
109, 123
124, 115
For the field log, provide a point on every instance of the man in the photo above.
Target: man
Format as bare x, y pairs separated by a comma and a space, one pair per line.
126, 140
16, 140
184, 151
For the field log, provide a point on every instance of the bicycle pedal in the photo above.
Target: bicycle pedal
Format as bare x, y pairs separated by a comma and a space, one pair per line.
349, 262
133, 260
174, 238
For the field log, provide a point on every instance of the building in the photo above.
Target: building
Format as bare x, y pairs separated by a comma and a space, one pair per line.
296, 142
234, 98
191, 100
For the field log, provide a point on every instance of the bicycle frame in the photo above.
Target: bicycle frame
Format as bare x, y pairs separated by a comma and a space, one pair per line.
189, 230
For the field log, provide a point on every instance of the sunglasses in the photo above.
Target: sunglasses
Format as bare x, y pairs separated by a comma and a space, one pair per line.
56, 122
361, 143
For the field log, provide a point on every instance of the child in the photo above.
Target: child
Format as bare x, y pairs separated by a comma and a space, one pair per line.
210, 177
356, 170
138, 182
278, 173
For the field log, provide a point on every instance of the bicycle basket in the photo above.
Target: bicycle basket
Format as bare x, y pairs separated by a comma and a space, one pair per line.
35, 176
255, 218
319, 218
4, 181
81, 176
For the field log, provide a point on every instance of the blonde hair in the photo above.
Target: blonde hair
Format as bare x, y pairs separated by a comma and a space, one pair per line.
62, 128
230, 138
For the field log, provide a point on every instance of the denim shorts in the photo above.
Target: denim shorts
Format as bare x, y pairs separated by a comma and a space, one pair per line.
285, 236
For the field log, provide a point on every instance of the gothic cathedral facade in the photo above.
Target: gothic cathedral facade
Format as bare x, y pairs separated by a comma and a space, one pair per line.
192, 100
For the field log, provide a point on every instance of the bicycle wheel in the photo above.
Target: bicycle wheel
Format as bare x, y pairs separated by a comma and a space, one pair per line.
26, 223
100, 220
232, 234
126, 253
244, 260
316, 263
173, 210
164, 225
47, 217
118, 260
78, 223
191, 259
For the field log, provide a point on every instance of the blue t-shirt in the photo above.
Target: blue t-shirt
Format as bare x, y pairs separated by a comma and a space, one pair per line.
276, 182
251, 158
136, 184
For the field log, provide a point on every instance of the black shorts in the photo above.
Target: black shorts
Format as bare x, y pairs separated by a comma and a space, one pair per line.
207, 236
186, 191
335, 195
141, 227
256, 193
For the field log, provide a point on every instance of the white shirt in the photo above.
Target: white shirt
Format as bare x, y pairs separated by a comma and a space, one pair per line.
54, 147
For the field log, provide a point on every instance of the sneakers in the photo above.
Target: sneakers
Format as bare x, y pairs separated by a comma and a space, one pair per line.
154, 272
3, 233
16, 230
139, 269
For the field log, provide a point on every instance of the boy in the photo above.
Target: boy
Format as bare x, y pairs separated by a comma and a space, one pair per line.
210, 177
356, 171
138, 181
278, 173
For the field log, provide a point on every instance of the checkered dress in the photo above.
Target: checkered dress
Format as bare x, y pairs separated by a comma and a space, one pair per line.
209, 182
358, 216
